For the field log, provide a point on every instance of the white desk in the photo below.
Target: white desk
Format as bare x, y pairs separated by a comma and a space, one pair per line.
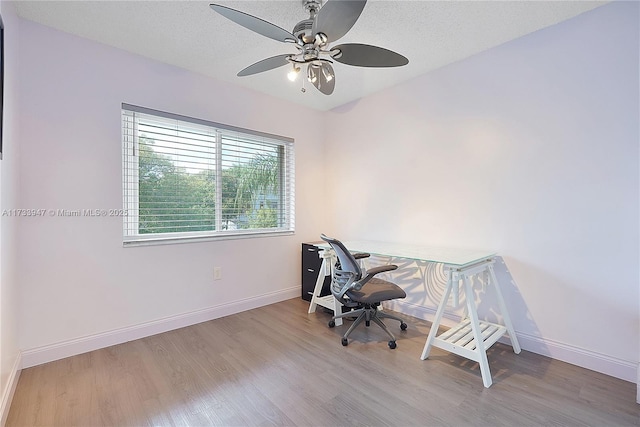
471, 337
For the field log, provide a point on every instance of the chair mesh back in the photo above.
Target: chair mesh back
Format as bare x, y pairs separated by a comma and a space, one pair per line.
346, 269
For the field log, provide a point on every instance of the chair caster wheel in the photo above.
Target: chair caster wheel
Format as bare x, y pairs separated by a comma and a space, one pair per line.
345, 342
332, 323
403, 326
392, 345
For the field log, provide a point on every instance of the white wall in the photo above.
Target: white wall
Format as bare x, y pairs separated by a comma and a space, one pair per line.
9, 350
529, 149
76, 278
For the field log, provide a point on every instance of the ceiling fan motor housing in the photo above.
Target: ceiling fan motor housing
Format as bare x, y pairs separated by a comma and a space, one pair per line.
302, 31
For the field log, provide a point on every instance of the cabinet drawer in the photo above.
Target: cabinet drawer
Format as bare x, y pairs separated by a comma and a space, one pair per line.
309, 277
310, 256
311, 265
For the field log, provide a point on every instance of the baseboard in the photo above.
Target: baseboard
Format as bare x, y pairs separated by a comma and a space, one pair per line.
618, 368
49, 353
10, 389
638, 386
622, 369
625, 370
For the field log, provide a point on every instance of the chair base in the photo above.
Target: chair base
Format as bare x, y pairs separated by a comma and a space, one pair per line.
368, 313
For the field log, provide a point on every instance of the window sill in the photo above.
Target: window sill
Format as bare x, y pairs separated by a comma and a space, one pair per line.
173, 240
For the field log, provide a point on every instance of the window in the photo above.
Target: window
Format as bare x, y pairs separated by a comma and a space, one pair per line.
186, 178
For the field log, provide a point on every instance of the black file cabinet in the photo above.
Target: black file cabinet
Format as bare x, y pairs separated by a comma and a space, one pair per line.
311, 264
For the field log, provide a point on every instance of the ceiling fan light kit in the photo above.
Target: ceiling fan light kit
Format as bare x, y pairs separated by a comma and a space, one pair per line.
293, 74
326, 23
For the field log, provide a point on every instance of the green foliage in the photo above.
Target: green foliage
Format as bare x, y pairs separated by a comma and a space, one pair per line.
170, 199
173, 200
250, 186
264, 218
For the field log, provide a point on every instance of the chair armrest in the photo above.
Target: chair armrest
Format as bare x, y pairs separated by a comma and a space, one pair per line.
372, 272
360, 255
380, 269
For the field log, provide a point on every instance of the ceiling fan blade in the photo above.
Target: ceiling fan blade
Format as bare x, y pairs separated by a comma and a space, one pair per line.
322, 77
365, 55
336, 17
258, 25
265, 65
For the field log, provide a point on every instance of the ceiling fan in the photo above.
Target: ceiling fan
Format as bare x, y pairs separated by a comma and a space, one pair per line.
326, 24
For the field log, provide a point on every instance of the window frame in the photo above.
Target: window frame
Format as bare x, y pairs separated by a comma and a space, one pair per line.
130, 181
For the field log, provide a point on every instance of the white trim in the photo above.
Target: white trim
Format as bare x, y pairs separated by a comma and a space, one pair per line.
10, 389
618, 368
638, 386
625, 370
160, 239
48, 353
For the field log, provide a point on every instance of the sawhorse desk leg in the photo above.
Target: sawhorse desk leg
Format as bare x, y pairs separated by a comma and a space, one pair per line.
471, 338
327, 301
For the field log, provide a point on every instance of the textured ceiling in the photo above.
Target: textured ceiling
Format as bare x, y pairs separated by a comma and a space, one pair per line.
190, 35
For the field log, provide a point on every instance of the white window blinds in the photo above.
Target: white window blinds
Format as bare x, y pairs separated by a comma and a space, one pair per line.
187, 178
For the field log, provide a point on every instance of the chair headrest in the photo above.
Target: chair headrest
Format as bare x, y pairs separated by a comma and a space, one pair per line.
347, 261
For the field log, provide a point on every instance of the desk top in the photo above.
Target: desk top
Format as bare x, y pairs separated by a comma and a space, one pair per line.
449, 256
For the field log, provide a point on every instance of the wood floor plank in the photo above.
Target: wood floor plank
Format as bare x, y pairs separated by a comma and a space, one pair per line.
278, 365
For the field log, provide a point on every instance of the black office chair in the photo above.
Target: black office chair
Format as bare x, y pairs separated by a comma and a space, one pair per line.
361, 293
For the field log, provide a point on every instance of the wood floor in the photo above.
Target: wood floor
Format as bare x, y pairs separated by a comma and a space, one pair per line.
277, 365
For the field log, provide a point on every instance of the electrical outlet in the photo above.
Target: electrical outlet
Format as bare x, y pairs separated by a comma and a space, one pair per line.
217, 273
